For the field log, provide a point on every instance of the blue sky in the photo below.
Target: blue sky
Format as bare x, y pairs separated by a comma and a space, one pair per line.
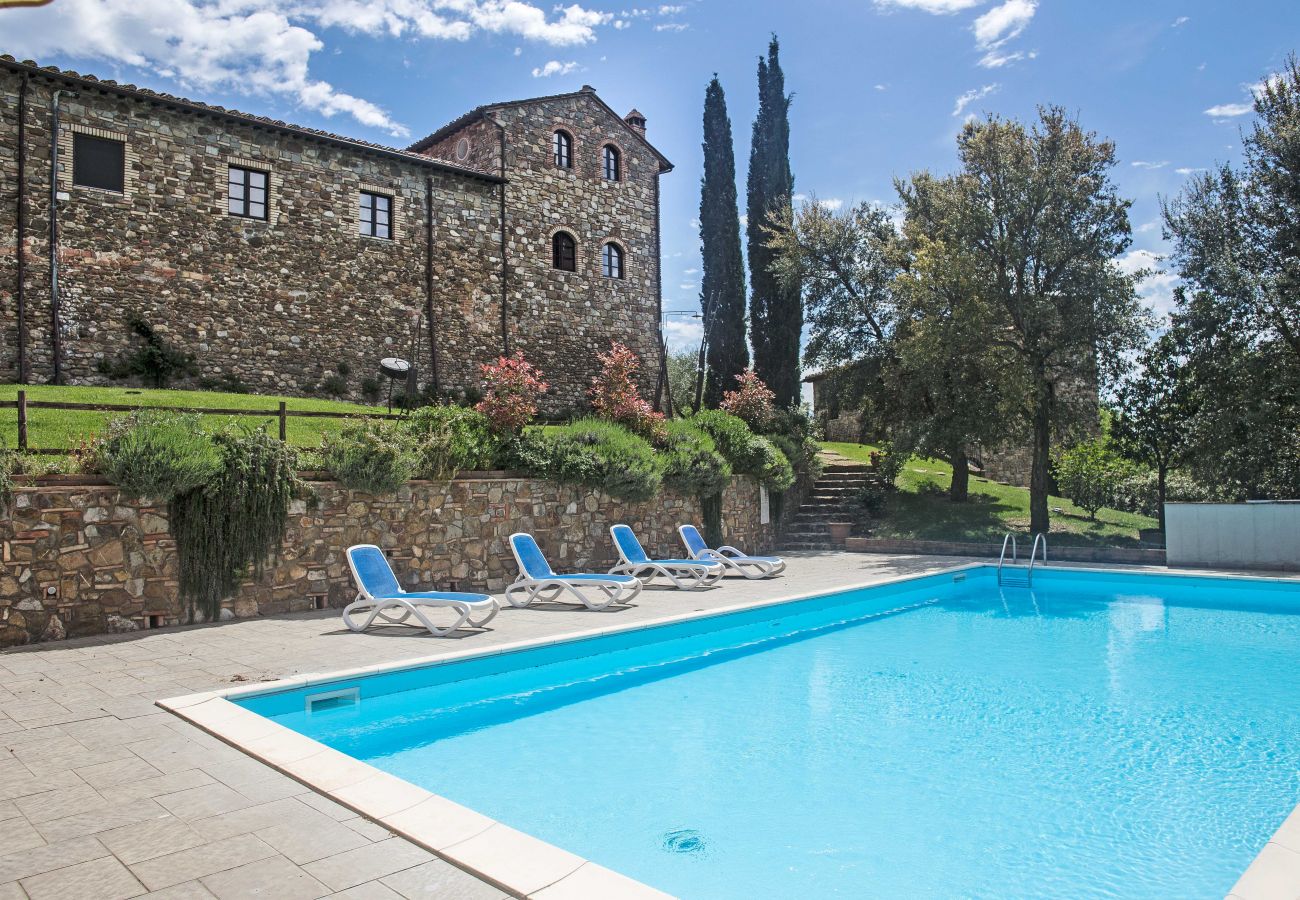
881, 86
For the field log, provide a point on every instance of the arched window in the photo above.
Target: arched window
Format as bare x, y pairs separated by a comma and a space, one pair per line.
564, 252
611, 261
562, 144
611, 162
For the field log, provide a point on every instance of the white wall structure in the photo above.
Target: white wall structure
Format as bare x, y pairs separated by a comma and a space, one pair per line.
1255, 535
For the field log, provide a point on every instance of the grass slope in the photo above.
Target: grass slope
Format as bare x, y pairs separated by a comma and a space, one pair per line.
62, 429
921, 510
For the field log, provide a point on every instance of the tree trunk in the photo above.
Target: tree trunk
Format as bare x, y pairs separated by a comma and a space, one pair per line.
1161, 474
960, 488
1038, 474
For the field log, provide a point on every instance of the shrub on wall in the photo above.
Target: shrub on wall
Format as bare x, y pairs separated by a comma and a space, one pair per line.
448, 439
156, 362
155, 454
751, 401
600, 454
748, 453
691, 461
511, 388
615, 396
373, 456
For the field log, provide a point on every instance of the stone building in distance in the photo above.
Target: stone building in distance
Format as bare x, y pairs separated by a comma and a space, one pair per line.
274, 253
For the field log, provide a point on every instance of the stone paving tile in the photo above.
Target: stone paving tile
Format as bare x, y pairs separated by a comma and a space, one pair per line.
442, 880
305, 840
50, 805
158, 787
100, 818
275, 878
196, 862
205, 801
103, 879
190, 890
25, 863
371, 890
111, 774
19, 834
151, 839
368, 863
12, 891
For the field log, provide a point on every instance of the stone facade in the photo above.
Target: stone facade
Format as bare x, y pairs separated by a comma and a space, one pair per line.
81, 560
541, 199
279, 304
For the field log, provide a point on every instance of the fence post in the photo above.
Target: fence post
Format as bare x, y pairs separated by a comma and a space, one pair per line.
22, 421
284, 430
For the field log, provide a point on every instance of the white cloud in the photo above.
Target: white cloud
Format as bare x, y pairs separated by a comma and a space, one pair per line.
1147, 227
1189, 171
831, 203
263, 48
1180, 21
1229, 110
671, 26
691, 272
1157, 289
970, 97
1002, 23
683, 334
671, 10
934, 7
1144, 164
882, 87
554, 67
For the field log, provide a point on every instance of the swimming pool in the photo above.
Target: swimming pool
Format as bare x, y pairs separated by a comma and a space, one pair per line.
1103, 735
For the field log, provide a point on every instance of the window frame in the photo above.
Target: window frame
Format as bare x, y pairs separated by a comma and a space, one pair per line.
562, 161
619, 254
373, 220
608, 153
556, 238
246, 188
77, 138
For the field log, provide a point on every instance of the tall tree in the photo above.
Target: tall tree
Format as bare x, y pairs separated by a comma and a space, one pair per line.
1237, 249
776, 309
722, 289
1043, 225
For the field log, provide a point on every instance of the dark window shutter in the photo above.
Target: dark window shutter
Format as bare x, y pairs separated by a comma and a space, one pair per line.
99, 163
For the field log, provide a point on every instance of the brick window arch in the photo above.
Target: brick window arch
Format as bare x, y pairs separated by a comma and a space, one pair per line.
564, 252
562, 149
612, 260
611, 163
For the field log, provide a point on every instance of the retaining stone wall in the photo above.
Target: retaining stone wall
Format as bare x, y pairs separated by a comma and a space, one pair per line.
83, 560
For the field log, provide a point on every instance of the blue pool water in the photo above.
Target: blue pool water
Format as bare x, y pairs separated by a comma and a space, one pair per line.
1103, 735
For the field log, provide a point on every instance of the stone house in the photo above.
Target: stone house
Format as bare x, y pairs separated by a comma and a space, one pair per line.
274, 253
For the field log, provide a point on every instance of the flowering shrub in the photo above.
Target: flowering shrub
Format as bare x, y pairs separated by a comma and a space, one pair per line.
511, 388
752, 401
615, 396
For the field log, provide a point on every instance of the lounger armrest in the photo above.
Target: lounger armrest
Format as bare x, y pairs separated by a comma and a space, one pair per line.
730, 551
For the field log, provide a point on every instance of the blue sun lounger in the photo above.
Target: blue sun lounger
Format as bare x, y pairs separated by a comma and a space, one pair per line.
687, 574
538, 581
749, 566
379, 594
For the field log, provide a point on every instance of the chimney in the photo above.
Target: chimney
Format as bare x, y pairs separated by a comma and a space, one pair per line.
587, 89
637, 121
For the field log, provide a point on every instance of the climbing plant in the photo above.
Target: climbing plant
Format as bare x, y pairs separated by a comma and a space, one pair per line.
155, 362
236, 521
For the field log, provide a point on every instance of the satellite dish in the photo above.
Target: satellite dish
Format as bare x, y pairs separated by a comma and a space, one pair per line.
394, 368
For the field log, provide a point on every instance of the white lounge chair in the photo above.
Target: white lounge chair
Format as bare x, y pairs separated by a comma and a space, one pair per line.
687, 574
538, 581
379, 594
730, 557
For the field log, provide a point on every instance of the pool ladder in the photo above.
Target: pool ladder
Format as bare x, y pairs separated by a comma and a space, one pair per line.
1010, 572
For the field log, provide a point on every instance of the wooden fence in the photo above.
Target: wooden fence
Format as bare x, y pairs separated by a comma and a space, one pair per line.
282, 413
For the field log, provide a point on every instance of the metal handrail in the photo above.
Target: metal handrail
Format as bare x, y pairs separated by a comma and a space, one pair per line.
1038, 538
1012, 538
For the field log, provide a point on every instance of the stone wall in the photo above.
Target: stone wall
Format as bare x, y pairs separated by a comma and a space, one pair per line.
560, 319
82, 560
278, 304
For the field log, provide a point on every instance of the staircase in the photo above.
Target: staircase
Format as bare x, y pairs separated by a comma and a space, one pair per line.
832, 499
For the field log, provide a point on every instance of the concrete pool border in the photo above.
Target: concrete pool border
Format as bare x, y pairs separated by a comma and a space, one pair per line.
518, 863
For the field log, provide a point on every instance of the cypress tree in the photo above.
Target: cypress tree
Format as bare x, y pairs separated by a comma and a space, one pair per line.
722, 289
776, 309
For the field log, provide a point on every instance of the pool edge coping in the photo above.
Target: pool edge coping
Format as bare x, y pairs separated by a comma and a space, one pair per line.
495, 852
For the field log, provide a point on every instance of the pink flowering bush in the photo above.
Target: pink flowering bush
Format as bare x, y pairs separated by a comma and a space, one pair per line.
511, 386
615, 396
752, 401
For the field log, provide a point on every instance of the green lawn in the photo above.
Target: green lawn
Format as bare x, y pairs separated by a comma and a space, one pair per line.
61, 429
921, 509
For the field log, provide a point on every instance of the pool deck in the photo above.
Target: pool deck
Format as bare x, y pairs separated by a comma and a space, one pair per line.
106, 795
